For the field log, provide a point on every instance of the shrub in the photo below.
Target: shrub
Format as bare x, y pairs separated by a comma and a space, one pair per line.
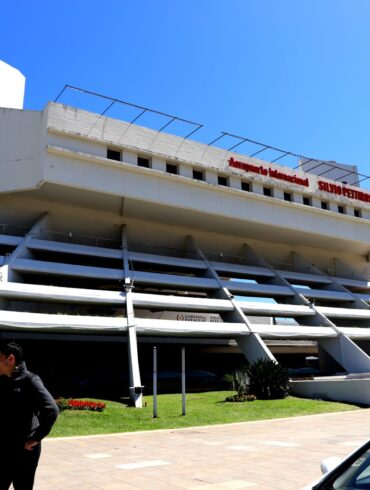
240, 383
268, 379
71, 404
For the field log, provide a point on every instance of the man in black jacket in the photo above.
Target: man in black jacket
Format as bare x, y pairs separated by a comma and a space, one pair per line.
27, 413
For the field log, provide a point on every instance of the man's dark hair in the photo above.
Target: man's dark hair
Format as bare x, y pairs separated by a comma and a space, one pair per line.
8, 348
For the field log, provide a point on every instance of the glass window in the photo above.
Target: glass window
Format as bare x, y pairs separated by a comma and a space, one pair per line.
246, 186
267, 191
306, 201
198, 175
324, 205
287, 196
355, 476
143, 162
341, 209
222, 180
357, 213
113, 154
171, 168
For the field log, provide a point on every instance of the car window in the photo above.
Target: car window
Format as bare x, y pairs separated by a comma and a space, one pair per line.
355, 477
364, 477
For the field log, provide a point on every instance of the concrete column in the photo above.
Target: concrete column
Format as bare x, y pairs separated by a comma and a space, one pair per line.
279, 193
211, 176
257, 188
159, 164
129, 157
186, 171
136, 388
234, 182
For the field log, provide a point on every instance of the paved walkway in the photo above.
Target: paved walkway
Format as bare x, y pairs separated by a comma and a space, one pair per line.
278, 454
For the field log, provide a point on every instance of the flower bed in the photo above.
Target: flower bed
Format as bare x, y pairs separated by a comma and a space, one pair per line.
72, 404
241, 398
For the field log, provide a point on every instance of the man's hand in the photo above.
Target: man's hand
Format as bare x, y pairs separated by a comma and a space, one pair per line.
29, 445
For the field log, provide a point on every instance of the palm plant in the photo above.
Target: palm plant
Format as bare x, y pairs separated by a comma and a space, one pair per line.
241, 382
268, 379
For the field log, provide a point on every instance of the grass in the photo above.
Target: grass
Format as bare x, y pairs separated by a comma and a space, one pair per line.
202, 409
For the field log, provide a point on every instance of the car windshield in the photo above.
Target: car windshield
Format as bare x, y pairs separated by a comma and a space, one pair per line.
356, 476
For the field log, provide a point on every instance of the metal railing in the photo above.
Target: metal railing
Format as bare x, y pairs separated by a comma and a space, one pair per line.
230, 258
76, 238
161, 250
13, 230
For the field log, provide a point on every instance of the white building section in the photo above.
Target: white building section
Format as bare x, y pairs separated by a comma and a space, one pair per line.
113, 228
344, 173
12, 85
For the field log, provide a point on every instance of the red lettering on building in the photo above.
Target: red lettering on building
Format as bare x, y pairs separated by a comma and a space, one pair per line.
273, 173
340, 190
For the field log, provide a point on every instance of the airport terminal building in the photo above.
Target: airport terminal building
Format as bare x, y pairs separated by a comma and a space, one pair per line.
117, 234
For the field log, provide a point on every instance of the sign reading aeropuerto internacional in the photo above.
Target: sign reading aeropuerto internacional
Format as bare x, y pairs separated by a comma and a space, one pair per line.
114, 234
275, 174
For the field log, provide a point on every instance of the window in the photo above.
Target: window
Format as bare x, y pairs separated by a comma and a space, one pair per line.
306, 201
352, 473
324, 205
143, 162
246, 186
198, 175
113, 154
287, 196
267, 191
341, 209
171, 168
222, 180
357, 213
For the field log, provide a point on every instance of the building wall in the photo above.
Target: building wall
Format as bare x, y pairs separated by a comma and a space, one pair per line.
22, 138
12, 84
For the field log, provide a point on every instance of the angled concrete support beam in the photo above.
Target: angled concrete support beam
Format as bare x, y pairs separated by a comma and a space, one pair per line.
278, 279
334, 284
341, 269
136, 389
252, 346
347, 354
7, 274
342, 348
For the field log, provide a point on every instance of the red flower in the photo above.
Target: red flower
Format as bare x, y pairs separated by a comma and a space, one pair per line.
72, 404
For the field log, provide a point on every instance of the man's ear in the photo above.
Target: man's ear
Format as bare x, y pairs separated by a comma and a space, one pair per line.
11, 358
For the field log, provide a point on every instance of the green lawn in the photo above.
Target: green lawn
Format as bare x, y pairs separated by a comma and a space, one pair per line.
202, 409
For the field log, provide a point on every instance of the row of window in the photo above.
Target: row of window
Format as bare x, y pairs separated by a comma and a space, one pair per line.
172, 168
308, 202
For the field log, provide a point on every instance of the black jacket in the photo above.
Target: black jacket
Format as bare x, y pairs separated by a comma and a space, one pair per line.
27, 410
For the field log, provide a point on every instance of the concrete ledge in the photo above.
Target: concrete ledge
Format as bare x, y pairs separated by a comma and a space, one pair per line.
336, 388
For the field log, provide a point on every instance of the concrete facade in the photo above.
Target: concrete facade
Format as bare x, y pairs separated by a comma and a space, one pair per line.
101, 215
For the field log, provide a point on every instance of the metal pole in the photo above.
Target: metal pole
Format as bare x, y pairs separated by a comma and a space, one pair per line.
183, 380
155, 414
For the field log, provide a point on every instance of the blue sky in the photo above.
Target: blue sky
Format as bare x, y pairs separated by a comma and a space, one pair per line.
289, 73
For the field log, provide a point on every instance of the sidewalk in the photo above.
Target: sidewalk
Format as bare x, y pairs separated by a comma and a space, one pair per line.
277, 454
